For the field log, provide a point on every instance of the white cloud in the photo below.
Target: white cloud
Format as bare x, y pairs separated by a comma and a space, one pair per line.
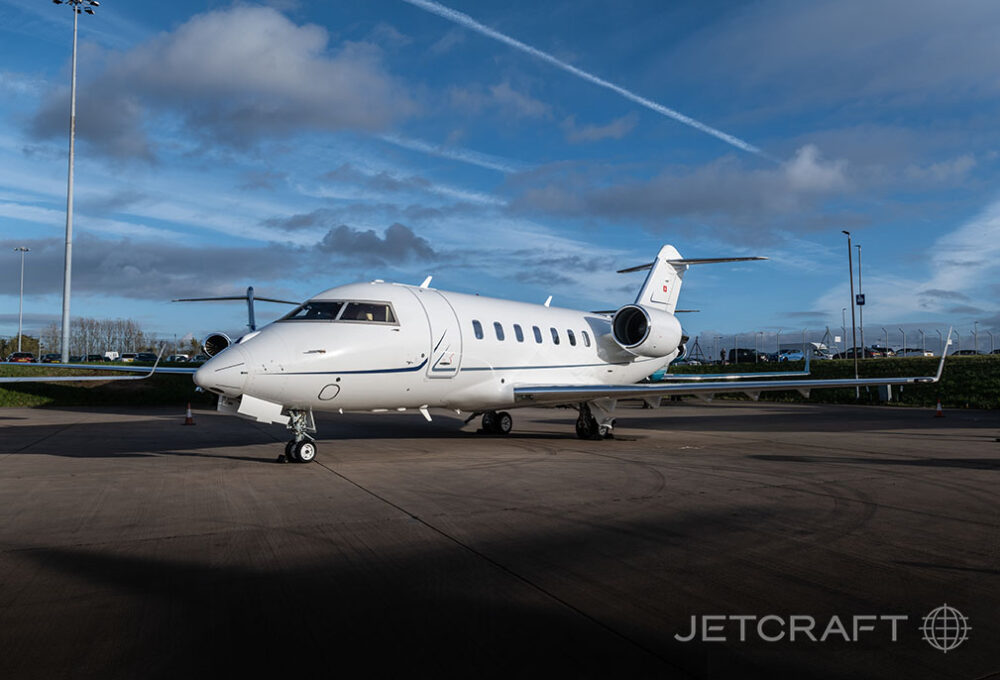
234, 76
616, 129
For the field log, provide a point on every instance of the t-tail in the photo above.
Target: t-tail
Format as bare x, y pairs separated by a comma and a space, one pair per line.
662, 286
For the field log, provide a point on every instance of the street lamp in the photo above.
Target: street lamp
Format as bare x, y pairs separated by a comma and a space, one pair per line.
861, 308
78, 6
901, 347
923, 343
975, 336
854, 330
20, 300
990, 333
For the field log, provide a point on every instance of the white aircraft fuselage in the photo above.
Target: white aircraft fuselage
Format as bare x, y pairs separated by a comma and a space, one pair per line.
430, 355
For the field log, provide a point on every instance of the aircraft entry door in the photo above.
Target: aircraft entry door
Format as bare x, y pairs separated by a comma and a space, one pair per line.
446, 335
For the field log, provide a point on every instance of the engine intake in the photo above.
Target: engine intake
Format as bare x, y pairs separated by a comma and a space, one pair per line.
646, 332
215, 343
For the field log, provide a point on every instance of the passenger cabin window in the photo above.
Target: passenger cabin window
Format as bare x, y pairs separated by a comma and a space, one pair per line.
498, 329
379, 312
314, 310
586, 338
518, 333
477, 328
538, 334
572, 337
555, 335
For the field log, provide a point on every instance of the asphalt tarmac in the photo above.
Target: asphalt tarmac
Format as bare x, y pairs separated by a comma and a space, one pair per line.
134, 547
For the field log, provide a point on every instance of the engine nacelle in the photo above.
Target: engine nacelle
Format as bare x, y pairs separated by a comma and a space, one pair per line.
646, 332
215, 343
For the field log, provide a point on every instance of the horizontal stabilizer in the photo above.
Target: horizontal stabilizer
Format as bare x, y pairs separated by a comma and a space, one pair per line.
700, 260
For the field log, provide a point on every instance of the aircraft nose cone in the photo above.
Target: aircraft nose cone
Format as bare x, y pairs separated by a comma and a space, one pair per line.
225, 373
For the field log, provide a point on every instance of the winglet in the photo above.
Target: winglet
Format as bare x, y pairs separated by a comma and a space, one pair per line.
944, 355
156, 363
427, 282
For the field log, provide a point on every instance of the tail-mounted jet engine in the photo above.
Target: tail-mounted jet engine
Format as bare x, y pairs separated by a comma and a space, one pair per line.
215, 343
646, 332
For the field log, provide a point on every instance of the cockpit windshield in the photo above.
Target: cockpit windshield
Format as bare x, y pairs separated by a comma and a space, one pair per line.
315, 310
364, 312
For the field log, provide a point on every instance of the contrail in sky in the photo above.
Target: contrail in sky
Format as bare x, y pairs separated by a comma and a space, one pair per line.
467, 21
482, 160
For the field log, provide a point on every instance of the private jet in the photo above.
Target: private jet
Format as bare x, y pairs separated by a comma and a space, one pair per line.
393, 347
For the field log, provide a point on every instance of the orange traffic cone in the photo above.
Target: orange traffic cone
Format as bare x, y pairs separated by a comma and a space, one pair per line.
939, 413
188, 420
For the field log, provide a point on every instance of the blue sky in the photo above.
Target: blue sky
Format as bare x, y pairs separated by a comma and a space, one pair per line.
512, 149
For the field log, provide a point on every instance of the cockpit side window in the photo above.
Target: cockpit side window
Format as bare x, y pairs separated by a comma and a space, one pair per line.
314, 310
377, 312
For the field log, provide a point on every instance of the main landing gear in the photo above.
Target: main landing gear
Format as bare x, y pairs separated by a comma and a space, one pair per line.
587, 426
302, 448
497, 423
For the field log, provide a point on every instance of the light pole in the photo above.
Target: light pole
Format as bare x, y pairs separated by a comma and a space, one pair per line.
20, 300
77, 6
975, 336
861, 308
736, 348
941, 341
886, 333
923, 342
843, 327
777, 342
901, 347
854, 328
990, 333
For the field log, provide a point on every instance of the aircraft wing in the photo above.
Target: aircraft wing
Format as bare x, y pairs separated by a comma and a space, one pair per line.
552, 395
144, 370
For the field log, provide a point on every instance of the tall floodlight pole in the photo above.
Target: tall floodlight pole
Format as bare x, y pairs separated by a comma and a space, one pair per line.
861, 308
923, 343
20, 300
77, 6
854, 328
975, 337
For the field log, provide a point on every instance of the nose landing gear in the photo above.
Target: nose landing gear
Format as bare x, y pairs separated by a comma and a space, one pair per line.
301, 449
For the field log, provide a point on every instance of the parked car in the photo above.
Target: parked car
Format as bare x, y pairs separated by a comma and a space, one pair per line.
790, 355
199, 358
147, 357
965, 353
996, 351
22, 358
95, 357
746, 356
76, 358
52, 358
866, 353
177, 358
880, 351
128, 357
913, 352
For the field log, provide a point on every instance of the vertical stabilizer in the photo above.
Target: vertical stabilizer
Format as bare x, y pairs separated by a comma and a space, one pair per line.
663, 283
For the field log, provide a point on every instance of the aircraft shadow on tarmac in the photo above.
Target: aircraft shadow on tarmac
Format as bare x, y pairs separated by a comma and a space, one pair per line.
426, 606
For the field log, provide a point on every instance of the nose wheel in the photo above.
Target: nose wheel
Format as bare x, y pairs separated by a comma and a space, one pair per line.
301, 449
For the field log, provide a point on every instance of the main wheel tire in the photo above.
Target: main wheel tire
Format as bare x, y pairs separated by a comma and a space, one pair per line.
490, 421
290, 450
305, 451
586, 428
504, 423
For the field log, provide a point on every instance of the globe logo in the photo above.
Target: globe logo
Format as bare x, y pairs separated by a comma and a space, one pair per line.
945, 628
